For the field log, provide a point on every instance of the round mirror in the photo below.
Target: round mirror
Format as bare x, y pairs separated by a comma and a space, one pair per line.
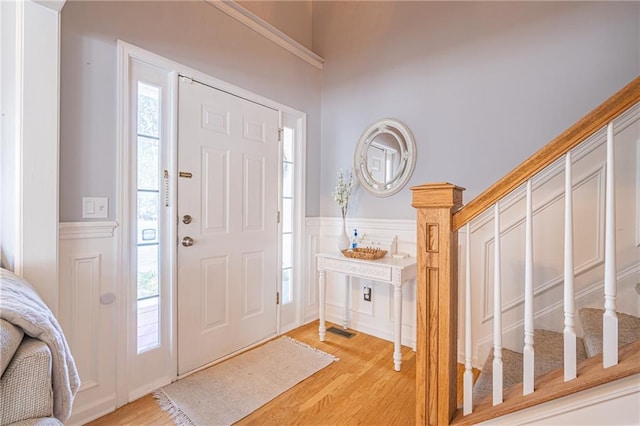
385, 157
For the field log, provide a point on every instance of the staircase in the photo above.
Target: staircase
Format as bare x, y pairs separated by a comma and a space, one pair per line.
550, 350
552, 365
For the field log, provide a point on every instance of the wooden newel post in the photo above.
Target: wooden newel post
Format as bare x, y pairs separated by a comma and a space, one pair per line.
437, 294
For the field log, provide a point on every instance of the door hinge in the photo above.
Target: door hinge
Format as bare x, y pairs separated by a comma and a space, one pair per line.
278, 217
277, 298
280, 130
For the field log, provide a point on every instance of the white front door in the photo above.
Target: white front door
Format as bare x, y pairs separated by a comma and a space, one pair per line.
228, 186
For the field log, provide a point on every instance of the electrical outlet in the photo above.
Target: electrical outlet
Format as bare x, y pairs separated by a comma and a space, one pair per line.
366, 291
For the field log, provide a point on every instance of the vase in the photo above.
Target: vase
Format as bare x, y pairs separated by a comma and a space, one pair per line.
343, 239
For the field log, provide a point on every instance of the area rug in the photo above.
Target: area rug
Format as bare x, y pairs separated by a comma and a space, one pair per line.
233, 389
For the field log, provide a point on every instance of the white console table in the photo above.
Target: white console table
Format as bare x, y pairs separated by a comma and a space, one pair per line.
387, 270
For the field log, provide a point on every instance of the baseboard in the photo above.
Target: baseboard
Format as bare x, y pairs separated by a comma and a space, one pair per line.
408, 338
612, 403
92, 411
148, 388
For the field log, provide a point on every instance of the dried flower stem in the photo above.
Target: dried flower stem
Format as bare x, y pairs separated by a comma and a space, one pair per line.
344, 186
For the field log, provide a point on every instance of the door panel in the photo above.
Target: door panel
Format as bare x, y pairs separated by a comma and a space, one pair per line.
214, 190
215, 292
254, 284
255, 197
227, 278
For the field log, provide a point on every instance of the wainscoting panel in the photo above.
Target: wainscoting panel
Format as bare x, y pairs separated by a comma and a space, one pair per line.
548, 227
88, 306
548, 220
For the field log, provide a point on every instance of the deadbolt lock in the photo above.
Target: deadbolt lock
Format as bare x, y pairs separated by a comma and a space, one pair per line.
186, 219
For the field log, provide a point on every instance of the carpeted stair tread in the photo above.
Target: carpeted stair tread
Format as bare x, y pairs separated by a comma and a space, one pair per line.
549, 356
549, 351
512, 373
591, 319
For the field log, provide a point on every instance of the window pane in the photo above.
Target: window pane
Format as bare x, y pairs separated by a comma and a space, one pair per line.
148, 110
287, 286
147, 217
287, 245
287, 180
148, 324
287, 144
148, 163
287, 215
147, 271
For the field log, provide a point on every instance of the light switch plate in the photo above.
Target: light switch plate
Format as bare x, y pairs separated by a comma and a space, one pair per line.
95, 207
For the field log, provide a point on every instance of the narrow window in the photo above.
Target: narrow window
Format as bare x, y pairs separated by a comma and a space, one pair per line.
148, 209
287, 215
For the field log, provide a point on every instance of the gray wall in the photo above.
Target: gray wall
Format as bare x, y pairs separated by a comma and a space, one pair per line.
193, 33
482, 85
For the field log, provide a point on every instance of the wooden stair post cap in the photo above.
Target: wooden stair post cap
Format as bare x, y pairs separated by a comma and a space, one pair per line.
441, 194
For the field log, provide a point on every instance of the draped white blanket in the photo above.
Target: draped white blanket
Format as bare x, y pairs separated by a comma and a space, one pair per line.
23, 307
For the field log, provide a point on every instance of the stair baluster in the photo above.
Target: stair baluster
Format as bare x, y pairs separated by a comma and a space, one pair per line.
569, 292
497, 312
439, 211
610, 318
467, 384
528, 350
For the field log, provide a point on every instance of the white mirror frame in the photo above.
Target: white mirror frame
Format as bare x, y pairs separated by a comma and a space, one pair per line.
407, 146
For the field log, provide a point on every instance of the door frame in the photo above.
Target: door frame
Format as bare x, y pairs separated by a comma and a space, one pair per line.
299, 125
125, 353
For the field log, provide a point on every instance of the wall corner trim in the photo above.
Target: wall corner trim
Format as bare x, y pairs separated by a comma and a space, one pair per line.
55, 5
80, 230
267, 30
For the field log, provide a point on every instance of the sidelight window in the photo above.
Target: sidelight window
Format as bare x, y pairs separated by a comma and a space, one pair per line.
287, 214
148, 209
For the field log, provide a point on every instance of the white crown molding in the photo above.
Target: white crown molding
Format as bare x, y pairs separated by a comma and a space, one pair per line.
55, 5
267, 30
79, 230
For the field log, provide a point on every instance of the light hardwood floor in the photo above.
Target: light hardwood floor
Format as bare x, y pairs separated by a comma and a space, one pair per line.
361, 388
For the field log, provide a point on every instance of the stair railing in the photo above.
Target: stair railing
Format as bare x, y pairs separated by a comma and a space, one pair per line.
440, 216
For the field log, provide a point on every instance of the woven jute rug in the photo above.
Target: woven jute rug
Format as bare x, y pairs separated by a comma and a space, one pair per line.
233, 389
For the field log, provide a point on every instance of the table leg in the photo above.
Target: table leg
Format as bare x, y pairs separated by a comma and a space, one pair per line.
322, 329
397, 310
345, 313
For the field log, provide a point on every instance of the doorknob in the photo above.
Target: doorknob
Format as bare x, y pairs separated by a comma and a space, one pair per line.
187, 241
186, 219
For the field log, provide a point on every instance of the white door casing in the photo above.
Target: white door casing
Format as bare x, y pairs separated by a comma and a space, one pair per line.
227, 280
